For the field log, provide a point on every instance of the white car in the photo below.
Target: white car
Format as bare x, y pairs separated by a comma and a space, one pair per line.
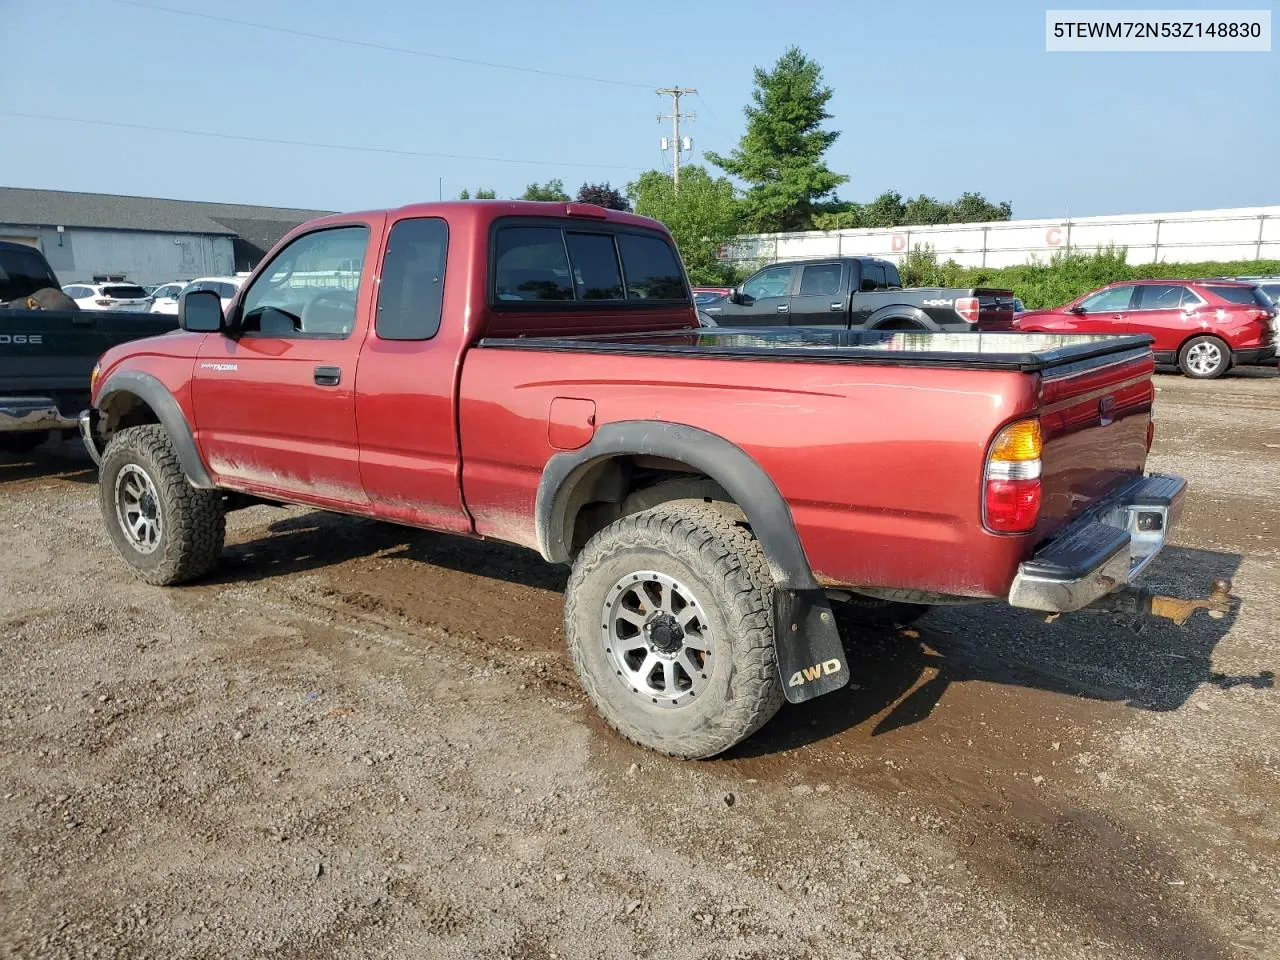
108, 296
224, 287
164, 298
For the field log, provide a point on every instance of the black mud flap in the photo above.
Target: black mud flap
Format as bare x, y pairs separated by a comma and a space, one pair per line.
811, 659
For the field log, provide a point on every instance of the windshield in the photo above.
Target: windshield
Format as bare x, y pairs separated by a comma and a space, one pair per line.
22, 273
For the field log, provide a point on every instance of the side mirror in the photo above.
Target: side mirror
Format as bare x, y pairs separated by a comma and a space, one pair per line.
1077, 309
200, 312
734, 295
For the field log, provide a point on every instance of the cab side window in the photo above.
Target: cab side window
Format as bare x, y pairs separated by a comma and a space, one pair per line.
773, 282
820, 279
310, 288
411, 292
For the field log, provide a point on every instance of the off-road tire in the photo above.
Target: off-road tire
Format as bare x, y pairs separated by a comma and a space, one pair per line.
725, 568
1196, 372
193, 525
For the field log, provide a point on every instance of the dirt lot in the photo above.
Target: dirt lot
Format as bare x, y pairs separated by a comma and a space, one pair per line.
364, 741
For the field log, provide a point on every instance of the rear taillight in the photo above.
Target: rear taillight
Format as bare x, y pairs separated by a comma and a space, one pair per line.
1011, 498
967, 307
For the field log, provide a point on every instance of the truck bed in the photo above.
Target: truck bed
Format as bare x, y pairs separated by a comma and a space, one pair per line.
1028, 353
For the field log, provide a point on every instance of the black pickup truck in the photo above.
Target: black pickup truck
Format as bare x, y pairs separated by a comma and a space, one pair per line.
863, 293
48, 348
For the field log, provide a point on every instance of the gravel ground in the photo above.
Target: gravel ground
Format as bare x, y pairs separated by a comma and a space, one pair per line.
358, 740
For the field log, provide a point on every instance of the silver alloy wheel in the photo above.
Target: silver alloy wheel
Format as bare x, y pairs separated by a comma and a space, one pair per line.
658, 639
138, 508
1204, 358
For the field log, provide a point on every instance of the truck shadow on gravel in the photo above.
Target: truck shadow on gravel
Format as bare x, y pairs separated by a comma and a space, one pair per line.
66, 461
317, 540
1100, 657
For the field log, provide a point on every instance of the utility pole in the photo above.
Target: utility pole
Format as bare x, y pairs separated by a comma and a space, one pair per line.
675, 116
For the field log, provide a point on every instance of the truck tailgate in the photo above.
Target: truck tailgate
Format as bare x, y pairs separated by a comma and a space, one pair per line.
1095, 427
51, 352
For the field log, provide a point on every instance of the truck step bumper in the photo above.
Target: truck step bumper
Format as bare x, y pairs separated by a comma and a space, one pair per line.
1102, 551
23, 414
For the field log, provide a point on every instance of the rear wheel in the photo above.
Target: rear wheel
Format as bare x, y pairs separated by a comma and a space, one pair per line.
669, 622
1204, 358
165, 529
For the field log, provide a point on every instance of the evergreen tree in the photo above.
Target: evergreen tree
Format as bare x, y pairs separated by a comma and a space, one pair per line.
780, 155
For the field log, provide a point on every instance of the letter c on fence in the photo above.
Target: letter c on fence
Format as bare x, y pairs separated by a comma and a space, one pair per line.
1053, 236
899, 243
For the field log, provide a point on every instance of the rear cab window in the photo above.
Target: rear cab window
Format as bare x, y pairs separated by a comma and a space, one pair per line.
569, 263
22, 273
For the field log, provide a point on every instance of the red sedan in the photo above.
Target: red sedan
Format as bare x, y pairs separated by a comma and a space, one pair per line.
1204, 326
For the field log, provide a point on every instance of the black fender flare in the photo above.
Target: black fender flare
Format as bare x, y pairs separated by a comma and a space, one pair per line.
157, 396
901, 312
724, 462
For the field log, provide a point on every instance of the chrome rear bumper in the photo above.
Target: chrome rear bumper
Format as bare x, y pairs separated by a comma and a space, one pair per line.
23, 414
1102, 551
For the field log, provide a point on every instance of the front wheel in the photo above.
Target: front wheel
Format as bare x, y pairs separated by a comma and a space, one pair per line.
669, 622
1204, 358
165, 529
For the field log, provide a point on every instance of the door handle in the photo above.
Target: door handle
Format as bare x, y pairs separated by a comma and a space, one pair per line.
782, 308
328, 376
837, 306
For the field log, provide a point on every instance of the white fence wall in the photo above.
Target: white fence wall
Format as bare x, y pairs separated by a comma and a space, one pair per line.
1244, 233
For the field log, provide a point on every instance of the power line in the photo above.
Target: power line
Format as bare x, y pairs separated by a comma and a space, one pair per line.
310, 143
381, 46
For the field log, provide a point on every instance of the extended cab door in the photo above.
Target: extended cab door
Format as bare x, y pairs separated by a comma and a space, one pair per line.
274, 398
821, 297
405, 396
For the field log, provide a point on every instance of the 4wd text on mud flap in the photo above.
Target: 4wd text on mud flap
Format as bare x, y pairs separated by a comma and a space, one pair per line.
809, 674
32, 338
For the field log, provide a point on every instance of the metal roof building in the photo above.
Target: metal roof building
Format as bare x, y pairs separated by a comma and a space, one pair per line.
145, 239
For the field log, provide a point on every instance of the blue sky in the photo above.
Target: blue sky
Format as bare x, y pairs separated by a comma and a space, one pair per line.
930, 98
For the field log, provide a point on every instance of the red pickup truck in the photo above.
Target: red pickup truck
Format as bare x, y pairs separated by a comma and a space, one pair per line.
535, 373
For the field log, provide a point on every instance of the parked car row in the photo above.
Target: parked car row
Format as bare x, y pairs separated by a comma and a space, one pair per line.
161, 298
1204, 327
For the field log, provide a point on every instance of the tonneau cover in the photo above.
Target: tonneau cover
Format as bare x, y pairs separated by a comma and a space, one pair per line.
1028, 352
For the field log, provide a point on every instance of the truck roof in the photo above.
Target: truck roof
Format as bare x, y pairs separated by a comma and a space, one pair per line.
480, 213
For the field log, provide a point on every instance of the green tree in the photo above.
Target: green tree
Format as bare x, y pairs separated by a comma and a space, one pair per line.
480, 195
975, 208
551, 190
780, 155
886, 210
703, 215
603, 195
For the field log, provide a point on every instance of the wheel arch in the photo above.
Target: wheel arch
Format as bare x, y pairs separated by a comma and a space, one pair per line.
574, 479
900, 317
131, 398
